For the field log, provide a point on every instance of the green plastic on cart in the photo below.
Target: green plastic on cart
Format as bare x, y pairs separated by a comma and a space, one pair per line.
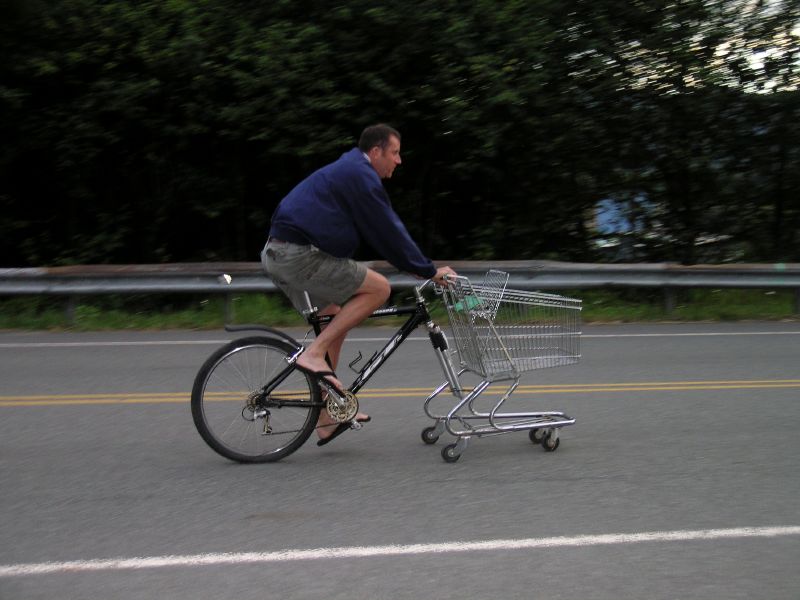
468, 303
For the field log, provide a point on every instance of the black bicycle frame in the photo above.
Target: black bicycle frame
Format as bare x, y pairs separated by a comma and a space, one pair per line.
417, 315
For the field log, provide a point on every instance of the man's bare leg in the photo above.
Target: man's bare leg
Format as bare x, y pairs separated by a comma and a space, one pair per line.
325, 424
369, 297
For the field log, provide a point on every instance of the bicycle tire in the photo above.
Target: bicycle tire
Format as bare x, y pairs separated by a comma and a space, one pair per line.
226, 415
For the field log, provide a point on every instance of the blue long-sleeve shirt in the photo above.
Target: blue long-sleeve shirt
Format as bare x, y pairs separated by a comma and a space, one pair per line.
341, 204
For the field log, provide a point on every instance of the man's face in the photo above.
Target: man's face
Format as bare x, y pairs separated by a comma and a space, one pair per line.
384, 161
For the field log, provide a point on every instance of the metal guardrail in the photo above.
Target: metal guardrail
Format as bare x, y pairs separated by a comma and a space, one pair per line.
83, 280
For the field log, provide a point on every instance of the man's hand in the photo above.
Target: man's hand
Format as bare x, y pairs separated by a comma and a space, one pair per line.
442, 274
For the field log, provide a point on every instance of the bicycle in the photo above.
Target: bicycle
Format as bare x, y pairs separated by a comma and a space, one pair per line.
251, 404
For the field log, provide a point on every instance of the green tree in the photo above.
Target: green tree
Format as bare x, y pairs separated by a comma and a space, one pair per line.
168, 130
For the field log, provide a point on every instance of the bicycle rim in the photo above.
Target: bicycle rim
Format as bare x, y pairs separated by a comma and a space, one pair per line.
241, 428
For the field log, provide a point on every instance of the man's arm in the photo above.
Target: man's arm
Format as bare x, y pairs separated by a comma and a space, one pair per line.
381, 227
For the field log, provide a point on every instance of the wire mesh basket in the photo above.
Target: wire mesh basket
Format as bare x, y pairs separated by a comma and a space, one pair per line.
500, 333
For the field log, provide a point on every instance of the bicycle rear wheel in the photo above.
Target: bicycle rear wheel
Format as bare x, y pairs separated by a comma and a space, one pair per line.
233, 415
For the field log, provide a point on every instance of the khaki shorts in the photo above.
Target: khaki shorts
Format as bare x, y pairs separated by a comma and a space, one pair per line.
296, 269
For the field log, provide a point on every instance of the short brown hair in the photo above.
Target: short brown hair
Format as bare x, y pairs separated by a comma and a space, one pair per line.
376, 135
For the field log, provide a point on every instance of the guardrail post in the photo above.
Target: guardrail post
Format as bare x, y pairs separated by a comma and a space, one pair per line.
229, 308
669, 300
69, 310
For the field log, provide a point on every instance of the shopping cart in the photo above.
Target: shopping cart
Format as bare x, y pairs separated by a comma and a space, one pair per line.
500, 333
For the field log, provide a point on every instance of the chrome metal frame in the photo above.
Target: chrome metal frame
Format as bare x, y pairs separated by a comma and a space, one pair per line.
499, 334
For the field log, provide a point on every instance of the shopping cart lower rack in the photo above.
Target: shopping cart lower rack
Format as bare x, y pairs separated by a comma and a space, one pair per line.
499, 334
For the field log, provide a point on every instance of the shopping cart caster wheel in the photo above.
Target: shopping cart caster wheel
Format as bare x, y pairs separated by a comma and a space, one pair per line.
429, 435
550, 444
449, 453
536, 435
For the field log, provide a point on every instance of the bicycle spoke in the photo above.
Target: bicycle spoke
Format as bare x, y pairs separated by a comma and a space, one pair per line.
233, 417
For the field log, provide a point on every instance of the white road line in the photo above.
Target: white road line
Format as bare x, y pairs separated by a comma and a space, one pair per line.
689, 334
581, 541
19, 345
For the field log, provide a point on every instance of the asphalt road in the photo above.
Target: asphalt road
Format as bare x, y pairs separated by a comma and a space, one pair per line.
681, 478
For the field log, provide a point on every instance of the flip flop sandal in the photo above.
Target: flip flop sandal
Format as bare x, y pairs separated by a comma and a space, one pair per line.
340, 429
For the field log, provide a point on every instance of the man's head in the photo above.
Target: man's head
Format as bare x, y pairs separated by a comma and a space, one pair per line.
381, 144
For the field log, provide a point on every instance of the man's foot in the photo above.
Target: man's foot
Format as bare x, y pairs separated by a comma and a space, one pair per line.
327, 428
319, 367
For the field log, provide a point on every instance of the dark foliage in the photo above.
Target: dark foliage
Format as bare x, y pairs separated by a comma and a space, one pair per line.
151, 131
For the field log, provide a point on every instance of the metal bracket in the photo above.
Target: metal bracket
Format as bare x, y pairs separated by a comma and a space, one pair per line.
352, 364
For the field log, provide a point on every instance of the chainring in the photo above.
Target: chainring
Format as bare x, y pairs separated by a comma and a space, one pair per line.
342, 413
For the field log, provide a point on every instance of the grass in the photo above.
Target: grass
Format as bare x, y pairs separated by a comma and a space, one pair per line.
142, 312
688, 305
153, 312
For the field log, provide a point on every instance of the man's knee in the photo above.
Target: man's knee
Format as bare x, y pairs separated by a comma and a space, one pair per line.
331, 310
376, 285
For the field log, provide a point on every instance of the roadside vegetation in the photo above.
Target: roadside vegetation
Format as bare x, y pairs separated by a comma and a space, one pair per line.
154, 312
594, 131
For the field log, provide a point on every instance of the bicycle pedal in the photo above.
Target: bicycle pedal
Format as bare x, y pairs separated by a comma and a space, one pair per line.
355, 425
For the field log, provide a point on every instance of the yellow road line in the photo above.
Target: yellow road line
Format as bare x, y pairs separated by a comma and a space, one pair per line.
60, 401
580, 388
